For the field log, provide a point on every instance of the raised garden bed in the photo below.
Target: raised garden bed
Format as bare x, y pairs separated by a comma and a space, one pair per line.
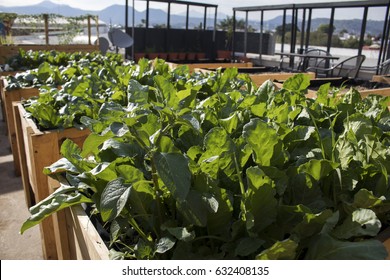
343, 85
259, 79
175, 186
7, 98
381, 79
8, 51
212, 65
38, 149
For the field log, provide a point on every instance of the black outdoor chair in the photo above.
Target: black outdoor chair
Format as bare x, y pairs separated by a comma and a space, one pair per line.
307, 62
383, 68
348, 68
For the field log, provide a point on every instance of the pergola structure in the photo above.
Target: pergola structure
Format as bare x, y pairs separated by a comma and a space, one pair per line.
307, 10
169, 2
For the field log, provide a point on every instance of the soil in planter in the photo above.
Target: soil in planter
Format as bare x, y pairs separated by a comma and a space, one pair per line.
346, 83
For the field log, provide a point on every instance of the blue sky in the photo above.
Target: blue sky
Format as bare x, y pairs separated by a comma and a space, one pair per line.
224, 6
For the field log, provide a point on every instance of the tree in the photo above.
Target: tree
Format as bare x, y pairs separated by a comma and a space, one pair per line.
162, 25
343, 31
143, 23
227, 25
325, 28
288, 28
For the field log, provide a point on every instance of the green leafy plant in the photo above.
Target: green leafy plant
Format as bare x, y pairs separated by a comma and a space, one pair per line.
27, 60
215, 168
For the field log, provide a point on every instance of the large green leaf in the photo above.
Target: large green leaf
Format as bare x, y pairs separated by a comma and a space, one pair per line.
193, 209
63, 197
230, 123
174, 172
318, 169
142, 201
219, 153
312, 224
168, 92
362, 222
105, 171
181, 233
164, 244
359, 125
228, 76
61, 165
114, 199
261, 201
130, 173
297, 82
220, 207
248, 245
366, 199
281, 250
137, 93
267, 146
92, 144
166, 145
327, 248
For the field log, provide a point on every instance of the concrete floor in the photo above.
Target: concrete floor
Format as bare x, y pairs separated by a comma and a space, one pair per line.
13, 210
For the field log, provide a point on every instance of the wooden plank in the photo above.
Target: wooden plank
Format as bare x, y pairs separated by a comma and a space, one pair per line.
9, 51
2, 100
381, 79
61, 235
60, 227
259, 79
3, 75
8, 98
86, 241
22, 161
212, 65
378, 91
193, 66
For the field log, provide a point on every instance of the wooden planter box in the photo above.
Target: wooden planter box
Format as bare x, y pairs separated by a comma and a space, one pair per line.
38, 149
212, 65
11, 50
381, 79
77, 237
378, 91
79, 240
2, 76
259, 79
7, 98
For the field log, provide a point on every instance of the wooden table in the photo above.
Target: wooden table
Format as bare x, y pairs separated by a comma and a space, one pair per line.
302, 56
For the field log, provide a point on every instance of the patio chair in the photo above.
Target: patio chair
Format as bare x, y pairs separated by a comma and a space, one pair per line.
307, 62
383, 68
348, 68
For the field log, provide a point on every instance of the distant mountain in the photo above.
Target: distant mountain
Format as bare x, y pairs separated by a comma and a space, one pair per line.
46, 7
353, 26
115, 14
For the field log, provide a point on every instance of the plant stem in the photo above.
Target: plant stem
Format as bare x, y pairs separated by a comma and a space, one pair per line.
157, 192
318, 132
135, 225
241, 182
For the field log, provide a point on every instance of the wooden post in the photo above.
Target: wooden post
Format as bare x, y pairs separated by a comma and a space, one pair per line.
97, 27
21, 157
89, 30
8, 97
46, 19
